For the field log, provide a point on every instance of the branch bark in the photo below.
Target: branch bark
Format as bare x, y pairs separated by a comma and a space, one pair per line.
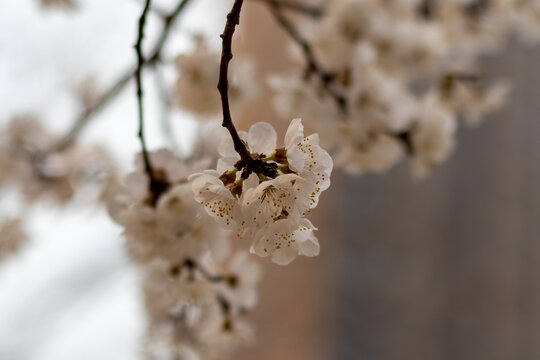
233, 19
138, 78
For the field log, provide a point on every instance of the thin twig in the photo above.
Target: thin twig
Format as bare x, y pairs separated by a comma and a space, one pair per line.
313, 67
233, 19
477, 8
108, 96
192, 266
88, 113
426, 9
138, 79
306, 9
168, 24
226, 309
153, 9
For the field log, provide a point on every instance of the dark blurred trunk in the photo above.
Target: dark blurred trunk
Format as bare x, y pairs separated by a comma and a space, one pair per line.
448, 268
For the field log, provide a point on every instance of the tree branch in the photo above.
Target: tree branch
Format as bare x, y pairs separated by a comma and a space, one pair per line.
108, 96
82, 120
138, 78
154, 9
192, 266
426, 9
168, 24
313, 67
233, 19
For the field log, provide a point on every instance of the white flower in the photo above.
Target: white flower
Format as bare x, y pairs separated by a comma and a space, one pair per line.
303, 157
243, 276
165, 293
41, 174
278, 184
193, 294
433, 137
286, 196
173, 228
475, 103
381, 99
12, 237
260, 139
308, 159
285, 239
366, 149
294, 97
209, 134
195, 88
217, 200
381, 56
346, 22
186, 229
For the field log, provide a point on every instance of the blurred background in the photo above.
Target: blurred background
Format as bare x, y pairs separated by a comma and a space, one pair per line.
446, 268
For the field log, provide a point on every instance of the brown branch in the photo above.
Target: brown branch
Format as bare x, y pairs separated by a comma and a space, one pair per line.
306, 9
192, 266
138, 79
108, 96
168, 24
477, 8
426, 9
406, 138
225, 305
82, 120
233, 19
226, 309
154, 9
313, 67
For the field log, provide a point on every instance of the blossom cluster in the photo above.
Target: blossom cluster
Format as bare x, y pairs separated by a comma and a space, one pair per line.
198, 71
195, 289
405, 74
66, 4
28, 167
265, 199
29, 164
385, 80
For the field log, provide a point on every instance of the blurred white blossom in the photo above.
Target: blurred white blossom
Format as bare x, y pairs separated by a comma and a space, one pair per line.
12, 237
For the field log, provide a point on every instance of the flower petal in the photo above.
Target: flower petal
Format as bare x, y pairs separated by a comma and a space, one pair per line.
285, 255
295, 131
226, 148
262, 138
310, 247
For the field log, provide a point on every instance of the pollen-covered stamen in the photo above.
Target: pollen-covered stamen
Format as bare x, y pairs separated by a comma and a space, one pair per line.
270, 203
284, 214
216, 198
